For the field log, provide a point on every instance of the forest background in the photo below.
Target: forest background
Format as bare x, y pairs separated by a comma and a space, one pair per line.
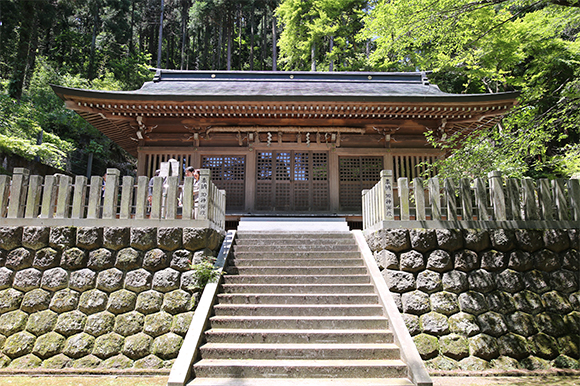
471, 46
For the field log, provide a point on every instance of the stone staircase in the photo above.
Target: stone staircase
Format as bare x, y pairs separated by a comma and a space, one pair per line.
298, 309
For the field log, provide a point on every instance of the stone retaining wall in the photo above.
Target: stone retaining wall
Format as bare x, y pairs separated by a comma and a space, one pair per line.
479, 299
92, 297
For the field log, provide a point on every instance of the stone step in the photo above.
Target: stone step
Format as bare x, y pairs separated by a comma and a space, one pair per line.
308, 289
344, 270
240, 368
298, 310
273, 262
308, 351
298, 336
332, 298
298, 247
294, 241
294, 279
300, 382
298, 255
243, 235
301, 323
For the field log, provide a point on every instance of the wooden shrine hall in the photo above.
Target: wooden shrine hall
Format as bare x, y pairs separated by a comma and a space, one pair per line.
296, 143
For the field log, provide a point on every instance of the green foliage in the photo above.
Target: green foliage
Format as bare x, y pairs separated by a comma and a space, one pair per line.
492, 47
204, 273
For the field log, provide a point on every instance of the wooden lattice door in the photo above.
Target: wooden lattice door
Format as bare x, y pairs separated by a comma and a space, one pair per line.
357, 174
292, 181
228, 173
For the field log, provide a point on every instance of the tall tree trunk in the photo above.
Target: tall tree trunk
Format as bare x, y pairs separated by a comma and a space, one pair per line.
252, 38
91, 72
240, 39
131, 48
31, 59
264, 36
183, 31
274, 41
331, 64
160, 41
229, 33
313, 57
19, 66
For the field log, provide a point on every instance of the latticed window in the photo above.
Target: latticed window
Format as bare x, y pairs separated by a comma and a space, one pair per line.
357, 174
228, 173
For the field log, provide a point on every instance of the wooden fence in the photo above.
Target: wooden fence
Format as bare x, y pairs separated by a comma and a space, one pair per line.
495, 202
110, 201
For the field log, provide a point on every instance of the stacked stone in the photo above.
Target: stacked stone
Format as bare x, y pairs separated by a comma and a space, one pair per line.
93, 297
479, 299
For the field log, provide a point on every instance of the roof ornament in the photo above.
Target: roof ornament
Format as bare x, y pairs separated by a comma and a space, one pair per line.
142, 130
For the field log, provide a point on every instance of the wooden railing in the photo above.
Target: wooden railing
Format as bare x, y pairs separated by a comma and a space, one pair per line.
58, 200
497, 201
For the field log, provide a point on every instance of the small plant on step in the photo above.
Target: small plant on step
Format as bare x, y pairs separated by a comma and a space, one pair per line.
203, 273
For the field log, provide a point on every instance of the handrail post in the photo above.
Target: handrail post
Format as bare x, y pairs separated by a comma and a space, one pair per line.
204, 180
365, 211
18, 192
387, 196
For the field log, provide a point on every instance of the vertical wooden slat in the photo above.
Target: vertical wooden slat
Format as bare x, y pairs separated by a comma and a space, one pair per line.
497, 195
574, 194
365, 208
403, 185
450, 199
187, 194
18, 190
513, 192
434, 198
419, 193
546, 202
79, 197
466, 199
33, 197
95, 197
157, 198
530, 206
481, 199
172, 194
141, 199
48, 196
126, 197
560, 199
63, 199
4, 194
111, 194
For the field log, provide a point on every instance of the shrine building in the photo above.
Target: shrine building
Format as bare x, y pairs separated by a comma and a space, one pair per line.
286, 143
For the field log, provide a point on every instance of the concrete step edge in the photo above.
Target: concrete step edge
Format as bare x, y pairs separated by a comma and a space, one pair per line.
300, 381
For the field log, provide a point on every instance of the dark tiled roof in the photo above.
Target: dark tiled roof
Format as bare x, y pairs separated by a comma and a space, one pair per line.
289, 86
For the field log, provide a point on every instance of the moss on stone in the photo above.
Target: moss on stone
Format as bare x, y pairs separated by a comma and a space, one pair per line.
149, 302
121, 301
99, 324
137, 346
157, 324
118, 362
565, 362
167, 346
483, 346
40, 323
12, 322
29, 361
108, 345
177, 301
70, 323
513, 345
149, 362
129, 323
48, 345
35, 300
181, 323
59, 361
19, 344
79, 345
473, 364
10, 300
87, 362
535, 363
427, 345
442, 363
4, 361
454, 346
543, 346
505, 363
64, 300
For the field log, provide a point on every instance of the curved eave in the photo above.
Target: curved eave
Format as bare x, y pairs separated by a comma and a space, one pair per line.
137, 96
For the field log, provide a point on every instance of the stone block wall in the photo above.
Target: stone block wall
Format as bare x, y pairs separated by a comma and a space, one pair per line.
481, 299
97, 297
